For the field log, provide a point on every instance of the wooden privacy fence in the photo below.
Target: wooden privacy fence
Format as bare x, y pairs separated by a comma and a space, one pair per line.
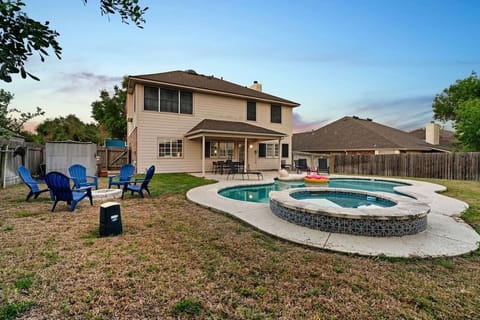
456, 166
111, 158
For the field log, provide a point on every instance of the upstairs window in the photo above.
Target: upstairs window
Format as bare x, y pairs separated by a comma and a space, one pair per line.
186, 102
251, 111
150, 99
275, 113
167, 100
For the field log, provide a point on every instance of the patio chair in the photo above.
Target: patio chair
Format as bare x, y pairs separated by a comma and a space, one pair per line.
126, 173
323, 166
31, 183
232, 170
79, 175
139, 184
301, 165
59, 185
284, 165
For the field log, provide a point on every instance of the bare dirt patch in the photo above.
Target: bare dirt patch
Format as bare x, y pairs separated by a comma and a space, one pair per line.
176, 260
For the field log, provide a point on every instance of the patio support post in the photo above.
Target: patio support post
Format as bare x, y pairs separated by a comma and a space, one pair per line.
279, 154
203, 156
245, 164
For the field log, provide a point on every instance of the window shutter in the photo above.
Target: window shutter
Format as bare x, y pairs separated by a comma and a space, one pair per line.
284, 150
262, 150
207, 149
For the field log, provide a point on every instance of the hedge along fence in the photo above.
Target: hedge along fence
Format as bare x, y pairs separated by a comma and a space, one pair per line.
455, 166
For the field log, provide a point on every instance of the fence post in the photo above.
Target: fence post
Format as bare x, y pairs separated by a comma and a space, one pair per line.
4, 182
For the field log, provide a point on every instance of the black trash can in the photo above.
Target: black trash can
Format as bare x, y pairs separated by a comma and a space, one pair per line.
110, 219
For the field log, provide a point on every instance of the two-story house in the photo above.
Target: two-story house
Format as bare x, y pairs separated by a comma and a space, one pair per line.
181, 121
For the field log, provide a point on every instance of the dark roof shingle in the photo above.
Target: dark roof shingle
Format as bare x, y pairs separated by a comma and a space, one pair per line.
210, 125
191, 79
447, 138
353, 133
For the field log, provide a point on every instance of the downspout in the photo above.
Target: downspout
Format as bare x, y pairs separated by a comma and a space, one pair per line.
279, 154
245, 160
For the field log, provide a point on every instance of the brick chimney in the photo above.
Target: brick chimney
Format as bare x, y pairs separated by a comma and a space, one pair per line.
432, 133
256, 86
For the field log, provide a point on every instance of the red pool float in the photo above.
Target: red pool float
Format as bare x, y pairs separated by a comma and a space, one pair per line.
315, 178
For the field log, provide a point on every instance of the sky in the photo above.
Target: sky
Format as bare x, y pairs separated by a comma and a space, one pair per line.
384, 60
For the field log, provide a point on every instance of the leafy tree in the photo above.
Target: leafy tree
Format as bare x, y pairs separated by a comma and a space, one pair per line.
110, 111
68, 128
461, 103
21, 36
13, 119
445, 104
467, 124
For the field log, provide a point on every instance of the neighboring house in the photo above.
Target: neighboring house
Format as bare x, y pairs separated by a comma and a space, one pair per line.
433, 134
353, 135
12, 137
181, 121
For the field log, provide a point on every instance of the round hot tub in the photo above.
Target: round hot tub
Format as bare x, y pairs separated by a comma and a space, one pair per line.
350, 211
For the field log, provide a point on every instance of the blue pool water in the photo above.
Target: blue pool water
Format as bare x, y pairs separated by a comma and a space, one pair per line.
259, 193
342, 199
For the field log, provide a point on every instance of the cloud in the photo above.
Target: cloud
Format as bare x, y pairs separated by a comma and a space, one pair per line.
405, 113
81, 81
301, 125
394, 104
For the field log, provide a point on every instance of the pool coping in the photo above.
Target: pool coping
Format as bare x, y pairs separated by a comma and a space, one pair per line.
446, 235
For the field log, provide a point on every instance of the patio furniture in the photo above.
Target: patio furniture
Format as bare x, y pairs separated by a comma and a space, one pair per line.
301, 165
237, 168
139, 184
31, 183
323, 166
59, 185
218, 167
284, 165
79, 175
126, 173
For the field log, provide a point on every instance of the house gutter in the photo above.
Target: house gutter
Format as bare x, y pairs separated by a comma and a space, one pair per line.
195, 134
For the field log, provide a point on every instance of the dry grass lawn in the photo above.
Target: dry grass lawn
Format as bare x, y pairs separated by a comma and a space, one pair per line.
176, 260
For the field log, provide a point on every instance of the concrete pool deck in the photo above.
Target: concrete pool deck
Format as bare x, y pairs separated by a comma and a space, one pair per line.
446, 235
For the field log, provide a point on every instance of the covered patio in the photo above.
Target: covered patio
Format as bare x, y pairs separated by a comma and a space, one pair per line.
232, 140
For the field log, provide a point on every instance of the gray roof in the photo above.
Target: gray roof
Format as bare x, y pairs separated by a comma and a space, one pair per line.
8, 132
353, 133
190, 79
447, 138
234, 127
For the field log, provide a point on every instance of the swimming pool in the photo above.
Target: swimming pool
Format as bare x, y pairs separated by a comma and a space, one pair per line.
259, 193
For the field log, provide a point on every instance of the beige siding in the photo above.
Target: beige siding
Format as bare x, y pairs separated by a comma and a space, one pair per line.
153, 125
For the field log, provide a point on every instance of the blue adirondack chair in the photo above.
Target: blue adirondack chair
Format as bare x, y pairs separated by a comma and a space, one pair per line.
139, 184
31, 183
59, 185
126, 173
79, 175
